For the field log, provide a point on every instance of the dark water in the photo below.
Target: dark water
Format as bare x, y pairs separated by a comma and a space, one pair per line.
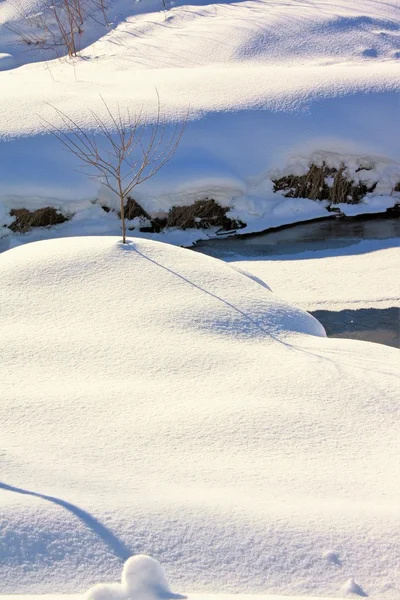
369, 324
326, 234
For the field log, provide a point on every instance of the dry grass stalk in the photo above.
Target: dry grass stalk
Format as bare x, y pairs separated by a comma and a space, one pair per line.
59, 27
42, 217
134, 210
201, 215
313, 185
68, 15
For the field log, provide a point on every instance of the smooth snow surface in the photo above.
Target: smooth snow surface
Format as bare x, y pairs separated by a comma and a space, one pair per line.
363, 275
271, 85
189, 596
157, 401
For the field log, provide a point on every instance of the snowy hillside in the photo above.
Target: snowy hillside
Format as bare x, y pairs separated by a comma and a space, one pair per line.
272, 87
155, 400
158, 401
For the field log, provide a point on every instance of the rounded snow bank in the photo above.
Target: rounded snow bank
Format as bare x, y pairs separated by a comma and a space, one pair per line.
141, 574
143, 578
144, 287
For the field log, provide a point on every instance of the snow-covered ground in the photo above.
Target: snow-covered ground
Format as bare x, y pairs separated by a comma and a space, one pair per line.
143, 578
271, 85
363, 275
189, 596
155, 400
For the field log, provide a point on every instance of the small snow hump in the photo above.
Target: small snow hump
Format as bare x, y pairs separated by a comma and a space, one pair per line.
332, 557
351, 587
143, 576
105, 591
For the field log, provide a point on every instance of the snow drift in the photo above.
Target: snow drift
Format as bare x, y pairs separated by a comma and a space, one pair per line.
362, 275
157, 401
142, 578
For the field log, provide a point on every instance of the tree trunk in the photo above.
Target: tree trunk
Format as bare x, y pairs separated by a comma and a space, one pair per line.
122, 210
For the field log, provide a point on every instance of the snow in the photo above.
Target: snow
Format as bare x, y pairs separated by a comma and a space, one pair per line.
142, 577
190, 597
368, 206
332, 557
352, 588
271, 86
362, 275
93, 220
157, 401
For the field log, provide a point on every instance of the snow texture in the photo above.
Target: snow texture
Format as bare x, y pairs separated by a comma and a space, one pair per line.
272, 86
143, 578
157, 401
190, 597
363, 275
352, 588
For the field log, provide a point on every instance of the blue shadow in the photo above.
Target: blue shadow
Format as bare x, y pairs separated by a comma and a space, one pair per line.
118, 548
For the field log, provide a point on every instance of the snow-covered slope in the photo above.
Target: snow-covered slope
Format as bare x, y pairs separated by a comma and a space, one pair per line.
190, 597
363, 275
154, 400
143, 578
272, 85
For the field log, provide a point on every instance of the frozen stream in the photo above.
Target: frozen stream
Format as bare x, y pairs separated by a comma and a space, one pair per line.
370, 324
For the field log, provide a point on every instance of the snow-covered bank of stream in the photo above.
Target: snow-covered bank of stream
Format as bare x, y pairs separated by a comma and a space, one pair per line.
345, 272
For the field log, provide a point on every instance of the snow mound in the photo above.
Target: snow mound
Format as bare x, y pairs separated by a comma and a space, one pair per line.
351, 587
203, 293
156, 401
143, 578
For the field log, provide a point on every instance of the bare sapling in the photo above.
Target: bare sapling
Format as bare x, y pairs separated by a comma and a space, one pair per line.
124, 151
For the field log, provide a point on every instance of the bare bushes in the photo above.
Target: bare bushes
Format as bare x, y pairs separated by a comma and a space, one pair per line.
324, 183
59, 27
135, 212
203, 214
42, 217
